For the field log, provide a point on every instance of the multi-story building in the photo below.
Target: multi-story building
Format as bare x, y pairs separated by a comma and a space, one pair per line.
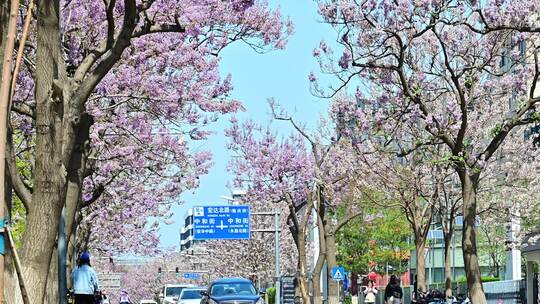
186, 232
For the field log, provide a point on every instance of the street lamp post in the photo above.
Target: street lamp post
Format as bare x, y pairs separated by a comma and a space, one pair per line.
276, 231
277, 249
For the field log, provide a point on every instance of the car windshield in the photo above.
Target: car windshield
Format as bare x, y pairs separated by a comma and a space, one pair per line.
173, 291
191, 294
227, 289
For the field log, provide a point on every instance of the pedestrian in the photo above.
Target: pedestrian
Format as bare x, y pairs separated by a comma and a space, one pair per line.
370, 292
104, 299
393, 292
85, 281
124, 297
415, 288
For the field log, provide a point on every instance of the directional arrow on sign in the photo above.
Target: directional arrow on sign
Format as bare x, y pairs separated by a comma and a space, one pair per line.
222, 226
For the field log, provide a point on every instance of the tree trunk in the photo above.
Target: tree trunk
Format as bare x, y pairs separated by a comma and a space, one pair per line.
49, 182
302, 262
9, 270
333, 286
51, 290
469, 185
420, 244
317, 270
448, 268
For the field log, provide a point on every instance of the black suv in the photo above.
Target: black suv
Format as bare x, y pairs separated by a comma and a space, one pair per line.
231, 291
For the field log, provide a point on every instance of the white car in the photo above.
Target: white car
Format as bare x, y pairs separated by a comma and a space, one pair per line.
191, 296
148, 302
171, 293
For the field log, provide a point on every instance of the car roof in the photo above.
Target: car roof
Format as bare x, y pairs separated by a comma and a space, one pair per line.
193, 288
231, 280
180, 285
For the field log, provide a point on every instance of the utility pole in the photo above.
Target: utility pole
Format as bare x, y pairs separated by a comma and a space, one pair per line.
4, 102
277, 250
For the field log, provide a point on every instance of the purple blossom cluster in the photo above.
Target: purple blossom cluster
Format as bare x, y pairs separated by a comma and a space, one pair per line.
161, 95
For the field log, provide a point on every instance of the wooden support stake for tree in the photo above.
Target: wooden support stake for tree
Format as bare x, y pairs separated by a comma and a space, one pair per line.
18, 266
20, 52
4, 101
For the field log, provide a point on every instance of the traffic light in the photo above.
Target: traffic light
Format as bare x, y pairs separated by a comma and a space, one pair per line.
177, 272
159, 270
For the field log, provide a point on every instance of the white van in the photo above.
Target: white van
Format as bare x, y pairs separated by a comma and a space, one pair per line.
171, 293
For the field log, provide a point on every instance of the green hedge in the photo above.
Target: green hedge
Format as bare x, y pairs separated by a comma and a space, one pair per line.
463, 280
271, 292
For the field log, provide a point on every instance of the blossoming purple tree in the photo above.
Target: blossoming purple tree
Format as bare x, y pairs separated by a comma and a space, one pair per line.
107, 106
463, 72
310, 175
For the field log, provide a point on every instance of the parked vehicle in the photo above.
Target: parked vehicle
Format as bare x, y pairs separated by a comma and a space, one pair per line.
191, 295
461, 299
436, 297
430, 297
171, 293
232, 290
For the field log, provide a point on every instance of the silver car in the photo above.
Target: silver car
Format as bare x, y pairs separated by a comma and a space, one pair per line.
191, 296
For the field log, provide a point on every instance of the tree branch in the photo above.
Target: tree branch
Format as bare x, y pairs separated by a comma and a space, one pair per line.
109, 6
350, 216
110, 56
149, 28
19, 186
96, 194
508, 126
24, 109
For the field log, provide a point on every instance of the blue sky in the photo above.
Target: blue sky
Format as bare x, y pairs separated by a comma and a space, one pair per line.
257, 77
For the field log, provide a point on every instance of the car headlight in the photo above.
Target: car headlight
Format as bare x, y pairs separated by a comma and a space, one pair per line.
260, 301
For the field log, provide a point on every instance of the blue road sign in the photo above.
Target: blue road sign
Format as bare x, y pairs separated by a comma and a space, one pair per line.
192, 275
221, 223
338, 273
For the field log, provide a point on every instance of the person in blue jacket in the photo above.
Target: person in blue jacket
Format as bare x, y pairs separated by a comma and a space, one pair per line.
85, 281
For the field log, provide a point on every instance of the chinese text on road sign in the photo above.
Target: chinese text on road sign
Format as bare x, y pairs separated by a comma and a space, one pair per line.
221, 222
192, 275
109, 281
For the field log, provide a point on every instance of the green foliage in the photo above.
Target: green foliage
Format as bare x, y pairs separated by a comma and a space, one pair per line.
271, 292
381, 241
18, 212
533, 221
495, 130
469, 81
18, 220
463, 279
535, 116
489, 240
